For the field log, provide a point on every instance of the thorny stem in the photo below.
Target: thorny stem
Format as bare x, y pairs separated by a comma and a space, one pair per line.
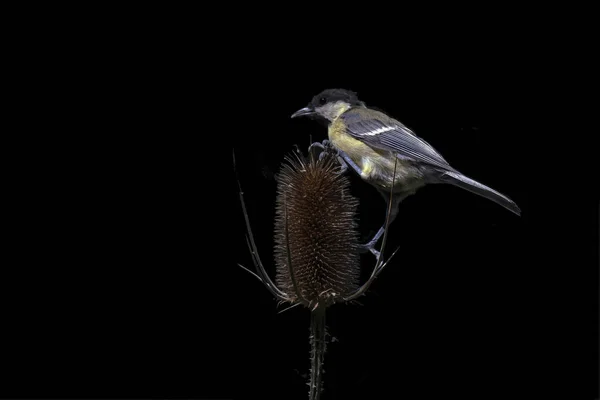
317, 352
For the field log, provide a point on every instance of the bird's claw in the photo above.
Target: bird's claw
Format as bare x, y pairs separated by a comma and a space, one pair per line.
318, 151
369, 247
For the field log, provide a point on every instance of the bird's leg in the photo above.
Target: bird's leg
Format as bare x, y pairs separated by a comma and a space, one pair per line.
370, 245
347, 161
343, 165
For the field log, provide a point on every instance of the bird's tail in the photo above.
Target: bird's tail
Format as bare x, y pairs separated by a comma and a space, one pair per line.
458, 179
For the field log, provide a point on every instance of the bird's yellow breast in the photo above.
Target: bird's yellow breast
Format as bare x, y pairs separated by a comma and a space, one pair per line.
377, 166
354, 148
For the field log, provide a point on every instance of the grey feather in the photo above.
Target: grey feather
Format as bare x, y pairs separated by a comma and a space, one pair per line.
399, 139
458, 179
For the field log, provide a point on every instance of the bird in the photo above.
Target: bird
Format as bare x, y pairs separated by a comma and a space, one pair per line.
385, 153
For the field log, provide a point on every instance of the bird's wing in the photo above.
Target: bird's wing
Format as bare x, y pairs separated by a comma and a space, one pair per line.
379, 131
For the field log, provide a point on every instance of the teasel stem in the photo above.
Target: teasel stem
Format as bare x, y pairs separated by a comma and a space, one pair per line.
317, 352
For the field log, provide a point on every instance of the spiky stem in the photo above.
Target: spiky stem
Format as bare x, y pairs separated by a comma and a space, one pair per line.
317, 352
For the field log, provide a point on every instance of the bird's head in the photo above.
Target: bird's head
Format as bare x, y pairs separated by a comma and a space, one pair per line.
329, 104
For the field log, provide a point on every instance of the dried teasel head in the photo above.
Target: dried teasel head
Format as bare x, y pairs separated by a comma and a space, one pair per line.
316, 232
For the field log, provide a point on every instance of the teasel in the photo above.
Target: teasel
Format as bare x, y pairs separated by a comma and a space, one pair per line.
316, 232
316, 245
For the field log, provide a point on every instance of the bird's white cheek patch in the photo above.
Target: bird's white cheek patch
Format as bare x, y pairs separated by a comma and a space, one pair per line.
379, 131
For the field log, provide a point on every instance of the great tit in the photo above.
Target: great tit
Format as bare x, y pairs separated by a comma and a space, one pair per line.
380, 148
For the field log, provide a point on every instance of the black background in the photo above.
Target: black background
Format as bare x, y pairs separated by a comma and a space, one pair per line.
124, 281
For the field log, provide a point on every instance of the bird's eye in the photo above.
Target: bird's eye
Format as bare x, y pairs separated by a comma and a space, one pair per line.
322, 100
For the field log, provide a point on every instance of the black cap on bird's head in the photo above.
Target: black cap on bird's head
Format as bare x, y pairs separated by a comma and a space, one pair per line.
328, 96
333, 95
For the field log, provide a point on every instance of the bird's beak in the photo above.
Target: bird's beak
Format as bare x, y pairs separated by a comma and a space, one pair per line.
302, 112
